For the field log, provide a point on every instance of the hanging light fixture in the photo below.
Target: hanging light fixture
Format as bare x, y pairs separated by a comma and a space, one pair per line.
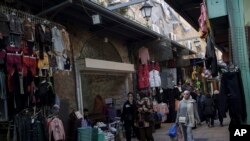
146, 10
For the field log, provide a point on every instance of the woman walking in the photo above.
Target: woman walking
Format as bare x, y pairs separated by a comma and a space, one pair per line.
209, 110
128, 115
187, 115
144, 120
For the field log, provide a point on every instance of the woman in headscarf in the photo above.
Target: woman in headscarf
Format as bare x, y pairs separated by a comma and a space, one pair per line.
187, 115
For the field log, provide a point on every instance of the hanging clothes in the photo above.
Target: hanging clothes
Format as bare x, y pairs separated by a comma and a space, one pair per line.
15, 24
154, 78
2, 56
27, 128
43, 63
2, 85
144, 55
60, 62
67, 64
45, 94
57, 40
29, 63
202, 20
154, 66
43, 36
29, 30
143, 76
232, 96
13, 61
3, 98
65, 38
56, 130
4, 27
211, 60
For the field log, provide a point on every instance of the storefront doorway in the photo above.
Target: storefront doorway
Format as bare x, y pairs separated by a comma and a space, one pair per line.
112, 87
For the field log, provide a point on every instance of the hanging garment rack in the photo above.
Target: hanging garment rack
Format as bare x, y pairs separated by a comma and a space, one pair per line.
33, 18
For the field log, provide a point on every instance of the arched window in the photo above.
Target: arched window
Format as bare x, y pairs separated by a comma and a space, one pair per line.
100, 48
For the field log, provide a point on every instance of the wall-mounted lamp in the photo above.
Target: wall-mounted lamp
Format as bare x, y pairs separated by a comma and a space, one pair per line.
146, 10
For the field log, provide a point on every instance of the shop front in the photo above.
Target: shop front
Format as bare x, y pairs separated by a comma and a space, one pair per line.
104, 85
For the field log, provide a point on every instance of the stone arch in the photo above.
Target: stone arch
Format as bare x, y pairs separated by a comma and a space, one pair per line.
97, 48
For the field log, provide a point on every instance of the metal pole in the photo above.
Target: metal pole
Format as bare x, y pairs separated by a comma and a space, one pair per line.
118, 6
65, 3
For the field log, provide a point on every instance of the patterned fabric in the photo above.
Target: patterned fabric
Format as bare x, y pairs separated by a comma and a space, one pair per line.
143, 76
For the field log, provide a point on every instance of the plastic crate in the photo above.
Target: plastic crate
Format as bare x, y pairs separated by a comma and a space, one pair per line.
84, 134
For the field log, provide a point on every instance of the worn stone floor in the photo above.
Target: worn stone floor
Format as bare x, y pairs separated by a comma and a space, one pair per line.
201, 133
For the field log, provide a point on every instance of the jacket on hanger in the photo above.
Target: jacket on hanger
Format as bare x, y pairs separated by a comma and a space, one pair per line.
65, 38
29, 30
45, 94
15, 24
4, 27
154, 78
56, 130
211, 62
43, 35
57, 40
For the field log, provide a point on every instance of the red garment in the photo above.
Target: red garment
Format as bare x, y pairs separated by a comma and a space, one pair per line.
144, 55
171, 64
12, 61
155, 66
143, 76
2, 55
29, 63
10, 49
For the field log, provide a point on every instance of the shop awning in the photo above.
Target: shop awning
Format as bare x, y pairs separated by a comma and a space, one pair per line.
89, 64
179, 47
81, 11
164, 49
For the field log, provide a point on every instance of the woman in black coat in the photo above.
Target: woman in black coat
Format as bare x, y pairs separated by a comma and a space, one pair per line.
209, 110
128, 115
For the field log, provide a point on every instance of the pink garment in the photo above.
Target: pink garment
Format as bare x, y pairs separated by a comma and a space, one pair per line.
56, 128
202, 19
144, 55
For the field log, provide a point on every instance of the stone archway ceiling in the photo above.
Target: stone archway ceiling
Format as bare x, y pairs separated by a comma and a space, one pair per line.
96, 48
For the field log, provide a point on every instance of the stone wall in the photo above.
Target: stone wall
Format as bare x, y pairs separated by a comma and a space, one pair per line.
65, 85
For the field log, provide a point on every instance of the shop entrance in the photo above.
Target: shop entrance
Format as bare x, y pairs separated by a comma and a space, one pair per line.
112, 87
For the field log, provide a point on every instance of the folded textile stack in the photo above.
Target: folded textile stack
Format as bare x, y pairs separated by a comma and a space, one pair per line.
109, 136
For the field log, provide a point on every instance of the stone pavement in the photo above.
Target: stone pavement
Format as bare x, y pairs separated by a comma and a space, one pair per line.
201, 133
